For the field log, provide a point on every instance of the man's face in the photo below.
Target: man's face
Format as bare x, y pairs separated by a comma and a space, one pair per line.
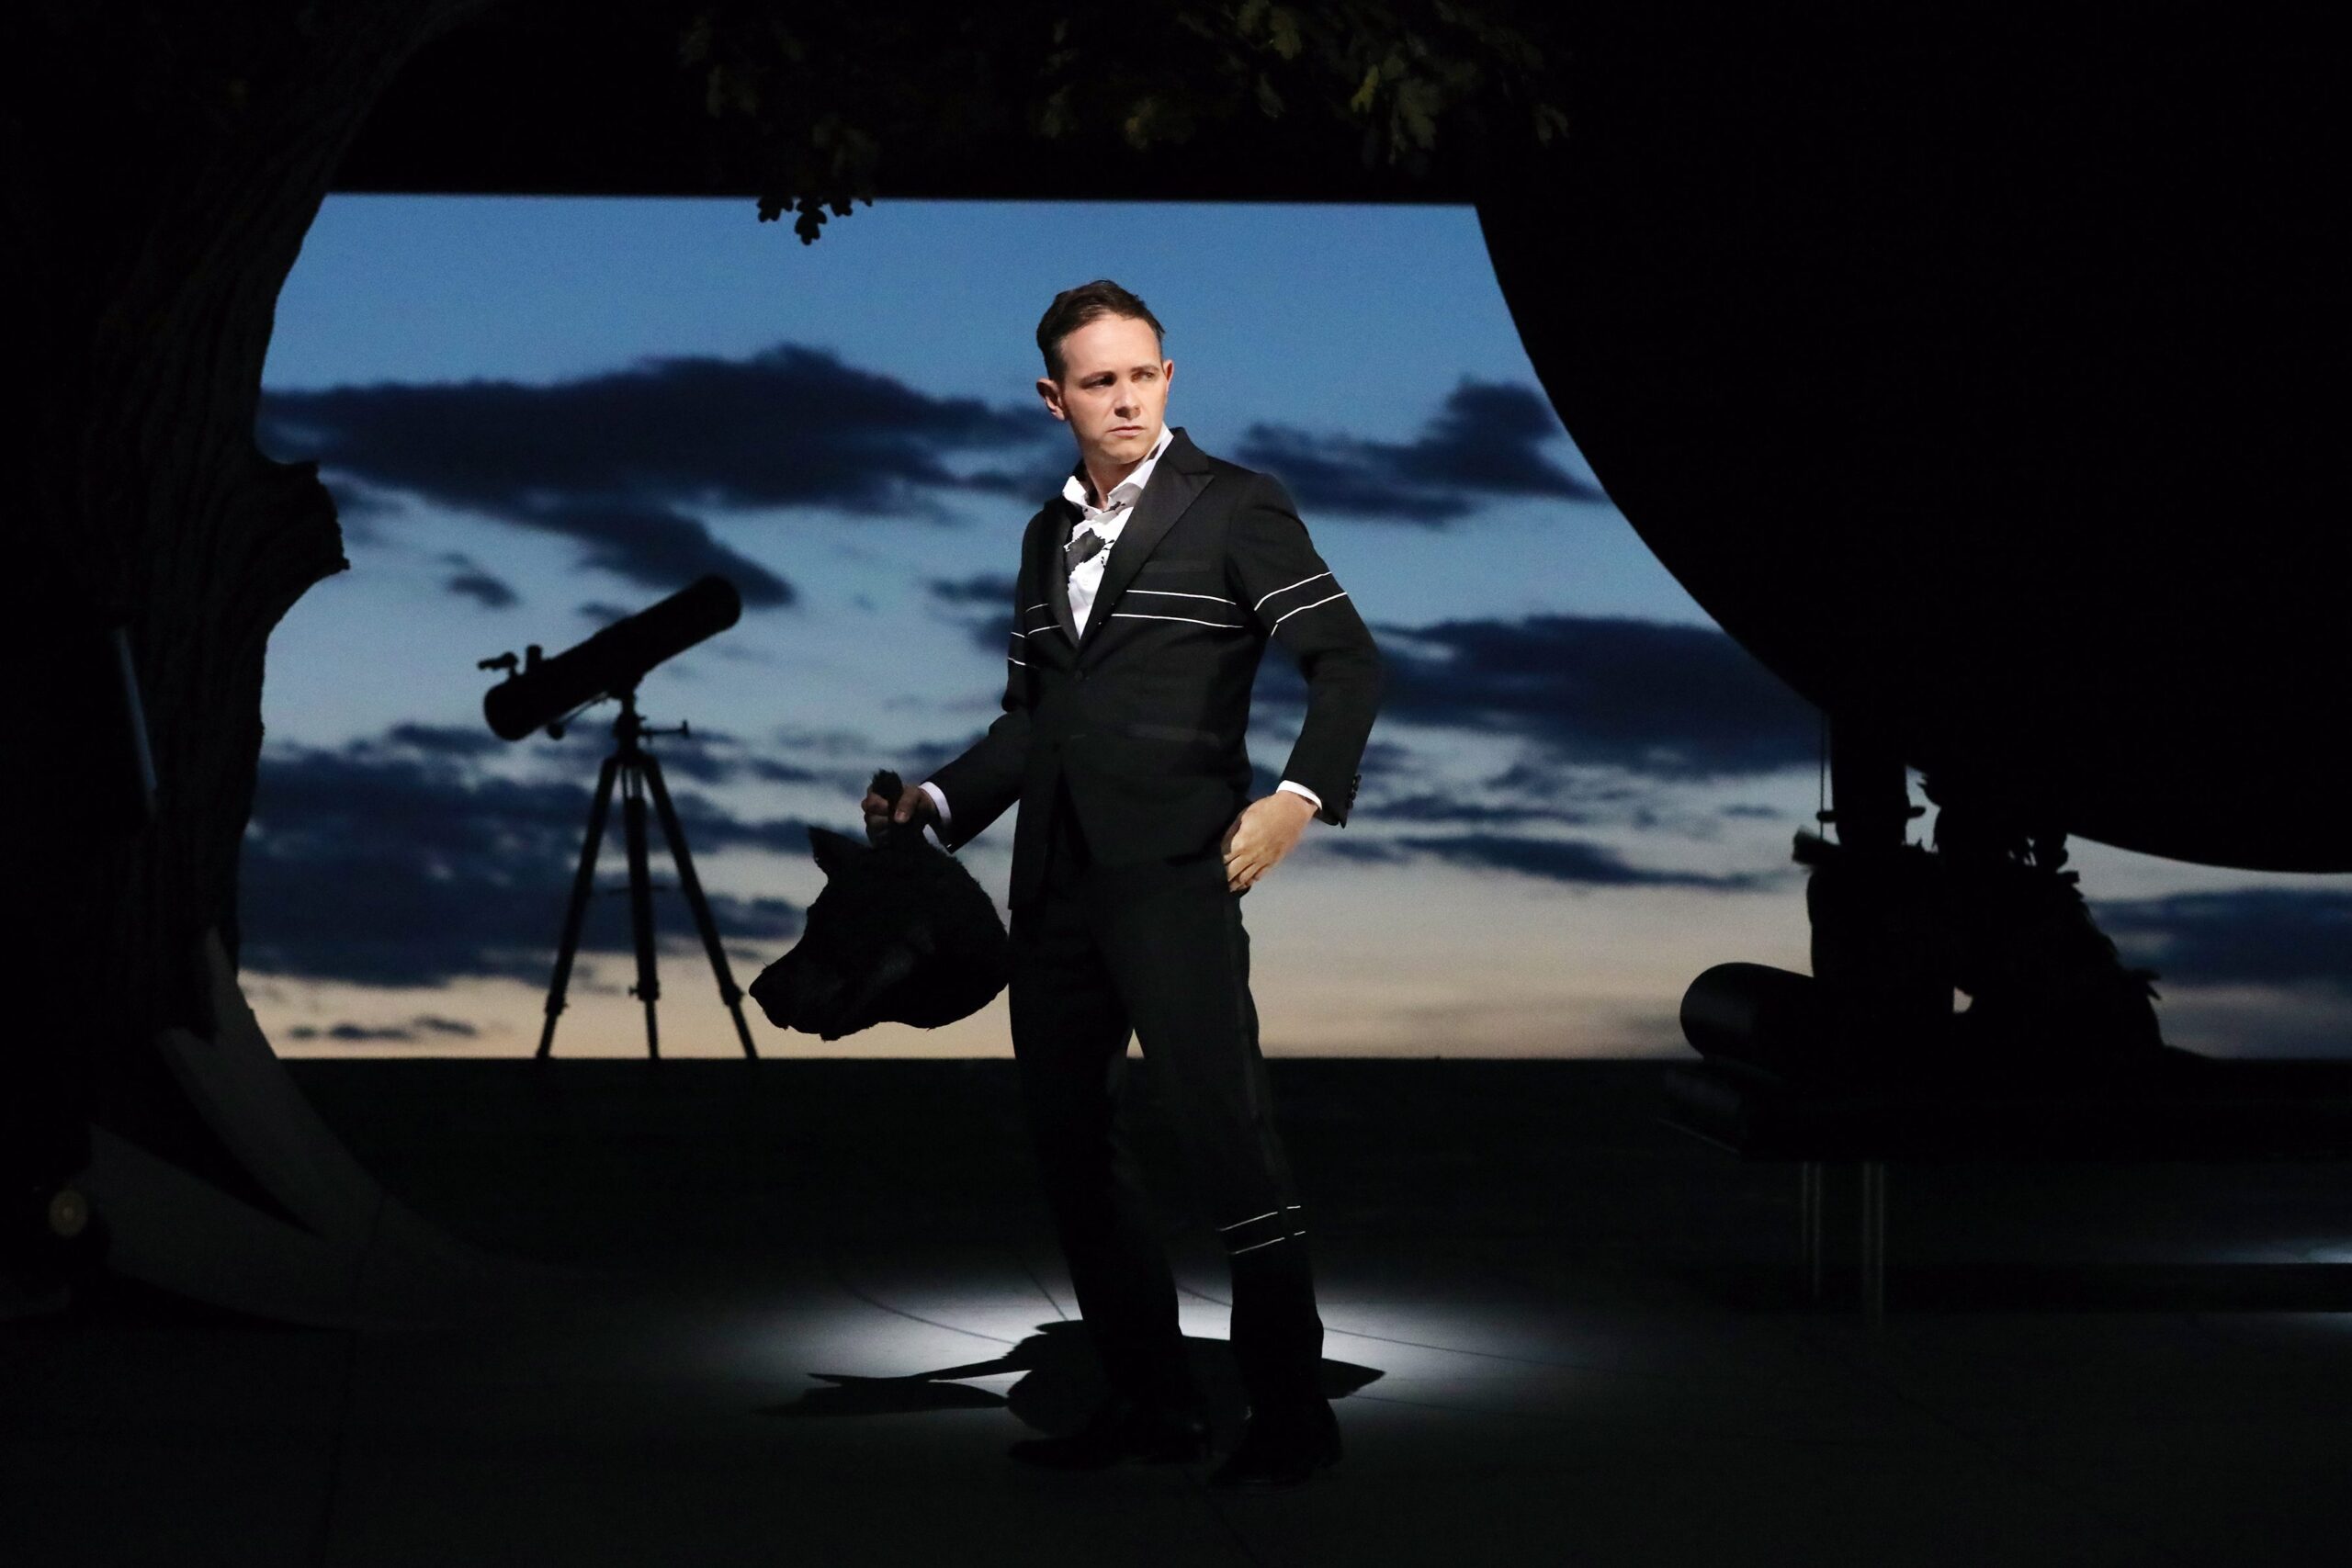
1114, 390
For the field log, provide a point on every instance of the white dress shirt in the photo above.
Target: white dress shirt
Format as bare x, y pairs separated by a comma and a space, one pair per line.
1110, 520
1086, 578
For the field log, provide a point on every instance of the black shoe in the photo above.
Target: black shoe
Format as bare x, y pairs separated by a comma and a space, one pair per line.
1119, 1429
1281, 1448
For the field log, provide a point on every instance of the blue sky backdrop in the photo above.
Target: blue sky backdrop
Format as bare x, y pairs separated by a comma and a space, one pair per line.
539, 414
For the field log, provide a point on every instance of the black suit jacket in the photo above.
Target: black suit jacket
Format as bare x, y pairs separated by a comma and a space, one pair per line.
1145, 715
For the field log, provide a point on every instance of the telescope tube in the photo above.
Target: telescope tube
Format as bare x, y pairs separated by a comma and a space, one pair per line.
611, 660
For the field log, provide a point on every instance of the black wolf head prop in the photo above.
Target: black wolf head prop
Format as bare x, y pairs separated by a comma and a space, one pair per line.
901, 934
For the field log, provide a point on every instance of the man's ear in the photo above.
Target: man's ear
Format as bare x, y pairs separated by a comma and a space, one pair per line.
1053, 396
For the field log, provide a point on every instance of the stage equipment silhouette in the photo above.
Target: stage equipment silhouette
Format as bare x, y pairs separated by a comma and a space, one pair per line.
550, 694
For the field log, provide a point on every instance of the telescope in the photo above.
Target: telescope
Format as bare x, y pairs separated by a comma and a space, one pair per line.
548, 693
544, 692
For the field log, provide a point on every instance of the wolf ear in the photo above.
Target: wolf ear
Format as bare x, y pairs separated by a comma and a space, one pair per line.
835, 852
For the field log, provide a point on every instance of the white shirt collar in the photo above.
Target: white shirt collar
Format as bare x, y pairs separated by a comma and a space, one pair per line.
1075, 490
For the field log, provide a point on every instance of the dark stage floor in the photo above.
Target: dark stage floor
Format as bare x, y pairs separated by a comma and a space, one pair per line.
792, 1312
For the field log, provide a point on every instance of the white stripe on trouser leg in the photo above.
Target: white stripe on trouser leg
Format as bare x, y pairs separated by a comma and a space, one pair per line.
1285, 1226
1256, 1245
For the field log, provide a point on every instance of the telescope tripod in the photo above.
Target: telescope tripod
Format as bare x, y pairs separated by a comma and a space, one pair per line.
639, 772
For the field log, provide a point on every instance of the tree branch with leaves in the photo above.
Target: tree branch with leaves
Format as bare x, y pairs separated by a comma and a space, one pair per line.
827, 105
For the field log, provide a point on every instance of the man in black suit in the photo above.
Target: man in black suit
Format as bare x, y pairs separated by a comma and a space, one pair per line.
1147, 594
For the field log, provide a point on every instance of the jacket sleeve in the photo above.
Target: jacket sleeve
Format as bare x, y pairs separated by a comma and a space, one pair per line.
985, 781
1290, 593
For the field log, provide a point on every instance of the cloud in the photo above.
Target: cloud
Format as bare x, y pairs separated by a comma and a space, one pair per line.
656, 548
398, 862
1430, 805
471, 581
1388, 757
983, 603
625, 461
786, 427
360, 512
354, 503
774, 772
991, 590
841, 760
718, 756
422, 1026
924, 758
2275, 936
1669, 702
1575, 861
433, 740
1481, 444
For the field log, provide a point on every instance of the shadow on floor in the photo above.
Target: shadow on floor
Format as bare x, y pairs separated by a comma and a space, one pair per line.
1062, 1380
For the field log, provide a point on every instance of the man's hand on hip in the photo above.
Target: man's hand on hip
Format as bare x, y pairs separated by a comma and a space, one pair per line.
1267, 829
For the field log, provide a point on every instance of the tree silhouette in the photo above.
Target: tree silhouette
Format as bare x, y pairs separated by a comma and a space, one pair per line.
822, 94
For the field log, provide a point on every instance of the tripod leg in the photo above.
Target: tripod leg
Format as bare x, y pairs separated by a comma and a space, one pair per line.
729, 991
640, 904
582, 887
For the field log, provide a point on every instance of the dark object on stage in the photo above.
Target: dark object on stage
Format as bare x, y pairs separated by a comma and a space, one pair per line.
1767, 1018
98, 772
901, 934
2014, 453
2176, 1105
638, 773
2010, 432
547, 692
1895, 931
1808, 1032
2169, 1105
550, 692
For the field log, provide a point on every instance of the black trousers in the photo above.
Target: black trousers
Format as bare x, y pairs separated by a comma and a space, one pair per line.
1158, 950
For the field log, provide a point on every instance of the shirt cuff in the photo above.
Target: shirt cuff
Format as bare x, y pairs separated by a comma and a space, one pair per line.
938, 799
1285, 784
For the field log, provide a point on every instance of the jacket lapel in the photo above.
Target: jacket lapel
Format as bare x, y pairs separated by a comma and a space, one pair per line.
1179, 476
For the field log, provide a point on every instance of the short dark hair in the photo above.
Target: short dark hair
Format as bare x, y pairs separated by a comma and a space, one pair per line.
1073, 308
